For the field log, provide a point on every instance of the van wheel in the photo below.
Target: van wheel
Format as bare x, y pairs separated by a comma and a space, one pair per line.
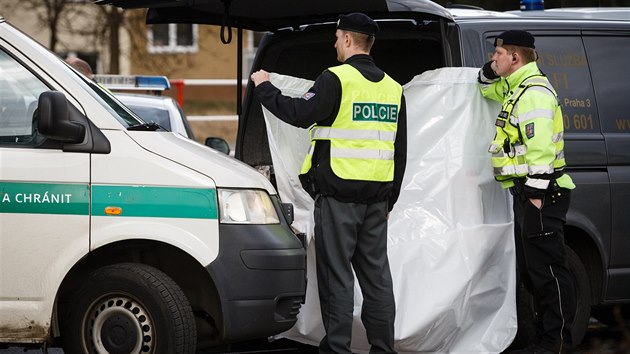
525, 305
129, 308
582, 286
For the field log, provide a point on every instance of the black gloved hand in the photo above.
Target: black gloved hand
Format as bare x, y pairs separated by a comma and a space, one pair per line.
488, 72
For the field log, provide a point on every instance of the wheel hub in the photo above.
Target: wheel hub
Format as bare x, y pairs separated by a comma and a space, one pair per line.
119, 331
119, 325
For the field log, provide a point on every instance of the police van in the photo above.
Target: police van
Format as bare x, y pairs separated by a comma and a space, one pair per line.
584, 52
120, 237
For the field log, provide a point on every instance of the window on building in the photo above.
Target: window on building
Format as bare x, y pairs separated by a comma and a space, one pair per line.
173, 38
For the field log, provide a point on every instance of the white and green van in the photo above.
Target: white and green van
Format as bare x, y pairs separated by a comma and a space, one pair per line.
118, 237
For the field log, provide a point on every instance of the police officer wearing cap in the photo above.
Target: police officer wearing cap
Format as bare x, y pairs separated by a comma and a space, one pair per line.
354, 170
528, 158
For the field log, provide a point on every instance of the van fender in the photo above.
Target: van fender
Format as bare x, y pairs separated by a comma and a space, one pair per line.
580, 221
197, 237
577, 220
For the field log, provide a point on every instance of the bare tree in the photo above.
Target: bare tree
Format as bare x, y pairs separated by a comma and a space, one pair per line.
105, 26
102, 24
48, 12
115, 20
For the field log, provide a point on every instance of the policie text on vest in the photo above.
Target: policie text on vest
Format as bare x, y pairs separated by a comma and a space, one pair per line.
367, 111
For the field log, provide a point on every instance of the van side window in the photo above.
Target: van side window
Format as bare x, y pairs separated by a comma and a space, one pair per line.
564, 62
611, 78
19, 92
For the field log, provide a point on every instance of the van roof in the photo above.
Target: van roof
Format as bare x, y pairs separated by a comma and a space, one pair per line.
277, 14
580, 13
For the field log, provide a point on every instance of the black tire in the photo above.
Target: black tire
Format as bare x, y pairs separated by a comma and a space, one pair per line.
129, 308
525, 305
582, 296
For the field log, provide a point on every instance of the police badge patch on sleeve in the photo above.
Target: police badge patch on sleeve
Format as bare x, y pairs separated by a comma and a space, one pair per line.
529, 130
307, 96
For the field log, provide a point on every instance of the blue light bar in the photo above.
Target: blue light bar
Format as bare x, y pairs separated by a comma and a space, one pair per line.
527, 5
153, 82
133, 82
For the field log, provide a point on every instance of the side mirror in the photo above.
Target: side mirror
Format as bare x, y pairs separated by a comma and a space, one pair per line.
218, 144
53, 119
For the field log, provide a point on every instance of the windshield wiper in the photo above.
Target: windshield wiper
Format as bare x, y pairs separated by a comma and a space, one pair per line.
149, 127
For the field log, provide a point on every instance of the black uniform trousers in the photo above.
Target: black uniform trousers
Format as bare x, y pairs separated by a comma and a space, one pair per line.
347, 236
542, 264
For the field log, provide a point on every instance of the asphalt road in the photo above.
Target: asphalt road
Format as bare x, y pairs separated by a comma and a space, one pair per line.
599, 339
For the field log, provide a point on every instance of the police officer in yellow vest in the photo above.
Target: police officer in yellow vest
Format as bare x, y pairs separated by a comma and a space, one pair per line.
528, 157
354, 172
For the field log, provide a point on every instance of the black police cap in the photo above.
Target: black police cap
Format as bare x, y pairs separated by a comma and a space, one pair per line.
515, 37
357, 22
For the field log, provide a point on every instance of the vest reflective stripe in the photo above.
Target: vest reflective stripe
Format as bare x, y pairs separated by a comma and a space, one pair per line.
362, 154
540, 88
363, 133
311, 149
560, 156
557, 137
331, 133
495, 148
537, 80
516, 150
539, 170
537, 183
511, 170
536, 113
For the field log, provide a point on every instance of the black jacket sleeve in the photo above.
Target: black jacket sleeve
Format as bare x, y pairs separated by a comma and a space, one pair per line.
320, 103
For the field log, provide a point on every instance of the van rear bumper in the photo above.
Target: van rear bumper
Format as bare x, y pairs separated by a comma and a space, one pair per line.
260, 274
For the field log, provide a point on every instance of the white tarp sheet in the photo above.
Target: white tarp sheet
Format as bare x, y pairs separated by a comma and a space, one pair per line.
450, 241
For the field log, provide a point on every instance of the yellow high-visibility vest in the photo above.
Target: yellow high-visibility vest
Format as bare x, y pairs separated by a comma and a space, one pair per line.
363, 133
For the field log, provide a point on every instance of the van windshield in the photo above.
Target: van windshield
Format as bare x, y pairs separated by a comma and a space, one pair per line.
117, 109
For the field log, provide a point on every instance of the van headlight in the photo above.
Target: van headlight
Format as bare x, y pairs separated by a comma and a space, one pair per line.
246, 206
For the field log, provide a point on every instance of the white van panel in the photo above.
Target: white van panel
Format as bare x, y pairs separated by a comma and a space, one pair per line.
44, 230
130, 164
130, 172
44, 165
225, 170
197, 237
32, 266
